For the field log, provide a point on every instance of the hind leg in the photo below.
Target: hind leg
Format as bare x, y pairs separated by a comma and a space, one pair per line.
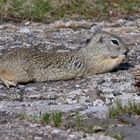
7, 78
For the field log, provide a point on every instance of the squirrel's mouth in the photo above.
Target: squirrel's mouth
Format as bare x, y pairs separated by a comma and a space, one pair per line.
122, 56
113, 57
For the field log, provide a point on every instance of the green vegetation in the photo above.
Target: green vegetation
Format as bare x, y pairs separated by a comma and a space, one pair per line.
57, 118
80, 125
92, 129
116, 135
78, 120
53, 118
45, 118
119, 109
22, 116
47, 10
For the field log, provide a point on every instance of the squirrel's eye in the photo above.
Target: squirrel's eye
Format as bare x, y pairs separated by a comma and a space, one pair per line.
115, 42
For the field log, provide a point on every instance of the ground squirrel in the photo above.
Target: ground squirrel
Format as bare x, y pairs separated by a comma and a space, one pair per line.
103, 53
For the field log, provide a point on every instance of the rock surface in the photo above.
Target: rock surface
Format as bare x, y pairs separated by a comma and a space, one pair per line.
89, 96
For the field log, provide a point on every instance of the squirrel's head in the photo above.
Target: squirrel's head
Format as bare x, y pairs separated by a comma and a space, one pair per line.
107, 50
107, 45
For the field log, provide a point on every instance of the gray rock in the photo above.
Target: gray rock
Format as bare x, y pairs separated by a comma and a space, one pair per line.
89, 96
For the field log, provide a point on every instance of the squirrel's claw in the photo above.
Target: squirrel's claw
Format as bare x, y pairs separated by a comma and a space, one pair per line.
8, 83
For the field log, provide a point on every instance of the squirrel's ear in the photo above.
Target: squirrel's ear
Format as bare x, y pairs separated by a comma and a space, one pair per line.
101, 39
88, 40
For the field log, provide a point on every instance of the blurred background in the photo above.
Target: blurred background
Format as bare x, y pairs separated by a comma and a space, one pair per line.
50, 10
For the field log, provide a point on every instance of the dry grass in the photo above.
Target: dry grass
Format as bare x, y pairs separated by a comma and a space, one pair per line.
47, 10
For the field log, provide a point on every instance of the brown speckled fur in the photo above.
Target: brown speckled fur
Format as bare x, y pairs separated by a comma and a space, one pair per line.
24, 65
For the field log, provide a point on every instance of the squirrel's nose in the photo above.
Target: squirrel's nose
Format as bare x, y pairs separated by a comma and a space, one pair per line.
126, 52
